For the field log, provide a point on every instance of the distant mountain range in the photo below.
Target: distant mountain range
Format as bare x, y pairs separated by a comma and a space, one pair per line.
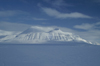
39, 36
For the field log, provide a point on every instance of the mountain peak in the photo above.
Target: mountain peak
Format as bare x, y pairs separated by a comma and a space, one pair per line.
56, 29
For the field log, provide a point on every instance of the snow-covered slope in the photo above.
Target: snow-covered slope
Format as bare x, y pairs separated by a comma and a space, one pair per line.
36, 35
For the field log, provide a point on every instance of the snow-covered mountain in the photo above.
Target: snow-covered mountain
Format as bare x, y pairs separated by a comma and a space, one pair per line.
39, 35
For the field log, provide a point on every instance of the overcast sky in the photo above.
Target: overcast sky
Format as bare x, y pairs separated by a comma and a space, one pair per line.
81, 17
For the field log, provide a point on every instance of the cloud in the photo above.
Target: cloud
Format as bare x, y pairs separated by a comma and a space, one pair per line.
8, 26
92, 32
39, 19
57, 14
84, 26
57, 3
87, 26
98, 23
12, 13
90, 35
42, 28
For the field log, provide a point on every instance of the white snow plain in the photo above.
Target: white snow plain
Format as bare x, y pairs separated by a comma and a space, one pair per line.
49, 55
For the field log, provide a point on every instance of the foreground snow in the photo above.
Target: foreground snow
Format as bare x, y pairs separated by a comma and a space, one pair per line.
49, 55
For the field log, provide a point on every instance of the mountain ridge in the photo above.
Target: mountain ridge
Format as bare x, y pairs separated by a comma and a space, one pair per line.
34, 35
